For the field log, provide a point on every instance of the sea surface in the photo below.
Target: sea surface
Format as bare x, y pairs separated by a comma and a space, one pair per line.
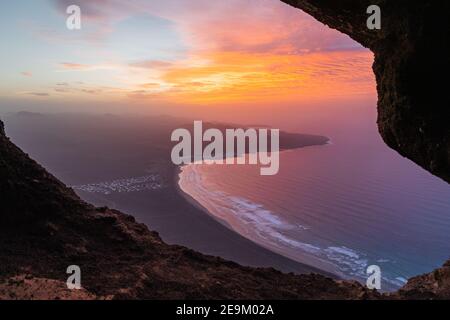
340, 207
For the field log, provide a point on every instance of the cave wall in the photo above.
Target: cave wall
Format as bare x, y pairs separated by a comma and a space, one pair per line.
412, 59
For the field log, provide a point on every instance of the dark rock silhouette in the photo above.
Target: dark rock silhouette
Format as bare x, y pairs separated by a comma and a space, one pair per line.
412, 64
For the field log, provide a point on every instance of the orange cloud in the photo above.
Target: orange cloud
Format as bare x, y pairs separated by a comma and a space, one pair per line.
264, 52
235, 76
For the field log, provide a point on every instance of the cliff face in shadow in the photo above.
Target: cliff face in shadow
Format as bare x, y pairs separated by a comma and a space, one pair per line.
412, 64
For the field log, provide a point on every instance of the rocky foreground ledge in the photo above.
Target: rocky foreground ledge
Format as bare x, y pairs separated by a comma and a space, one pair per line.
45, 227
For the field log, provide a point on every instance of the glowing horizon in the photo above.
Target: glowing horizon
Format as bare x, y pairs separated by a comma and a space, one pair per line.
196, 53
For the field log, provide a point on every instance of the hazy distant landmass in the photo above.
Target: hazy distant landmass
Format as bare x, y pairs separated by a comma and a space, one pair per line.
85, 149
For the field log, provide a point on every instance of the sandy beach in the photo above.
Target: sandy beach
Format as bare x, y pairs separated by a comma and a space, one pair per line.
181, 220
236, 247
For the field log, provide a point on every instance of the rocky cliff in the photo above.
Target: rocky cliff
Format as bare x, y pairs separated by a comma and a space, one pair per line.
412, 64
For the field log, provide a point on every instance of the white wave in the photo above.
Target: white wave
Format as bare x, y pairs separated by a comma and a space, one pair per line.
402, 280
348, 260
270, 227
256, 213
263, 226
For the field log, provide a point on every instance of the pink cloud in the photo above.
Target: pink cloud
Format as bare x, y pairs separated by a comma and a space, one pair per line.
232, 25
151, 64
74, 66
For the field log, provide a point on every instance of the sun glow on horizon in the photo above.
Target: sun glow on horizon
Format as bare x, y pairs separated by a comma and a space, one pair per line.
167, 52
231, 77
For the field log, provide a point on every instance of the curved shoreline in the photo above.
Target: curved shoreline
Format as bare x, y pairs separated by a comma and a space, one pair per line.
193, 202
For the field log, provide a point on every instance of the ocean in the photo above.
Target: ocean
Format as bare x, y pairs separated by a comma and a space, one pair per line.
339, 207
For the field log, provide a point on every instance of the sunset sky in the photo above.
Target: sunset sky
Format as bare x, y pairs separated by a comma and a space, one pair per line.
176, 52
